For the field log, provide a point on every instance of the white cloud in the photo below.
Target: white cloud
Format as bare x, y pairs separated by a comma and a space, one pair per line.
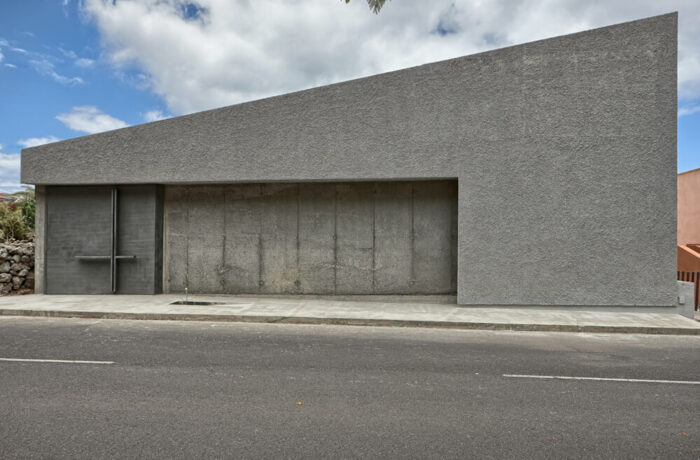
20, 50
77, 61
70, 54
11, 66
35, 141
89, 119
9, 172
1, 56
688, 110
222, 51
84, 63
45, 67
154, 115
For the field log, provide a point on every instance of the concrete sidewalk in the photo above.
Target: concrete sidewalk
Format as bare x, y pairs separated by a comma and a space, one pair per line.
393, 311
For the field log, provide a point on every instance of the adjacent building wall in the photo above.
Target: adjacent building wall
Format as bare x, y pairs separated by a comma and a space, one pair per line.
564, 150
688, 258
689, 207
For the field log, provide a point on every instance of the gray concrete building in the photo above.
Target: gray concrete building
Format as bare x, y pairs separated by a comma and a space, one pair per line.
538, 174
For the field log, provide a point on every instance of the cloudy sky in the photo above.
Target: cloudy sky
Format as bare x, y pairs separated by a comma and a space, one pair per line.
70, 68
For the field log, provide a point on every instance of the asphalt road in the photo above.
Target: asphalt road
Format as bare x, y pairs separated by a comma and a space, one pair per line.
202, 390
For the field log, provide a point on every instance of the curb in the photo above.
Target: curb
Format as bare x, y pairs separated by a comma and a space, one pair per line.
354, 322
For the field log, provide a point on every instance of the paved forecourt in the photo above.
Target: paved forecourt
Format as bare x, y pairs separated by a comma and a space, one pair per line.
430, 311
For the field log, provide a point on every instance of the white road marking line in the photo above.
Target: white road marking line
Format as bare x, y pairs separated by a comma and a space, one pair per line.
65, 361
600, 379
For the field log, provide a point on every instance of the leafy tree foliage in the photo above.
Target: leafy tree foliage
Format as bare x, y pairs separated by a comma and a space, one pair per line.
374, 5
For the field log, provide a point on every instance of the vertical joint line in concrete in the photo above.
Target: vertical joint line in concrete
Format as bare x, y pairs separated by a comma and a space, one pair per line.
374, 233
187, 236
413, 237
454, 240
261, 262
298, 280
113, 251
335, 239
222, 279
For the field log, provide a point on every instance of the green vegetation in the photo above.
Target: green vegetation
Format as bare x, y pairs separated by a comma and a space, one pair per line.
17, 216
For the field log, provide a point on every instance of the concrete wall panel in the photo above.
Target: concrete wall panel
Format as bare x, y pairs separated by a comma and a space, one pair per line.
434, 246
355, 230
78, 223
205, 230
317, 221
243, 238
279, 239
140, 234
40, 240
175, 258
393, 251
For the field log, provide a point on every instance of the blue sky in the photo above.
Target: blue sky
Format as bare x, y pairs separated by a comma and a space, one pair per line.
70, 68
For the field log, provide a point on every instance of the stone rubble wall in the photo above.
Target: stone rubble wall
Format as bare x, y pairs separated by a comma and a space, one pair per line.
17, 267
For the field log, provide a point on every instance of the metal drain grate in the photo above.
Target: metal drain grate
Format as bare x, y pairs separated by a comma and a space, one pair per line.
194, 302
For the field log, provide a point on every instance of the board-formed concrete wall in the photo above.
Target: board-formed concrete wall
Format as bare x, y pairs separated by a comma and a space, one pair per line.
339, 238
564, 151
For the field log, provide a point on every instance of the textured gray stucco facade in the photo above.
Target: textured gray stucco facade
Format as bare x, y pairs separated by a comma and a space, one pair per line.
564, 151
